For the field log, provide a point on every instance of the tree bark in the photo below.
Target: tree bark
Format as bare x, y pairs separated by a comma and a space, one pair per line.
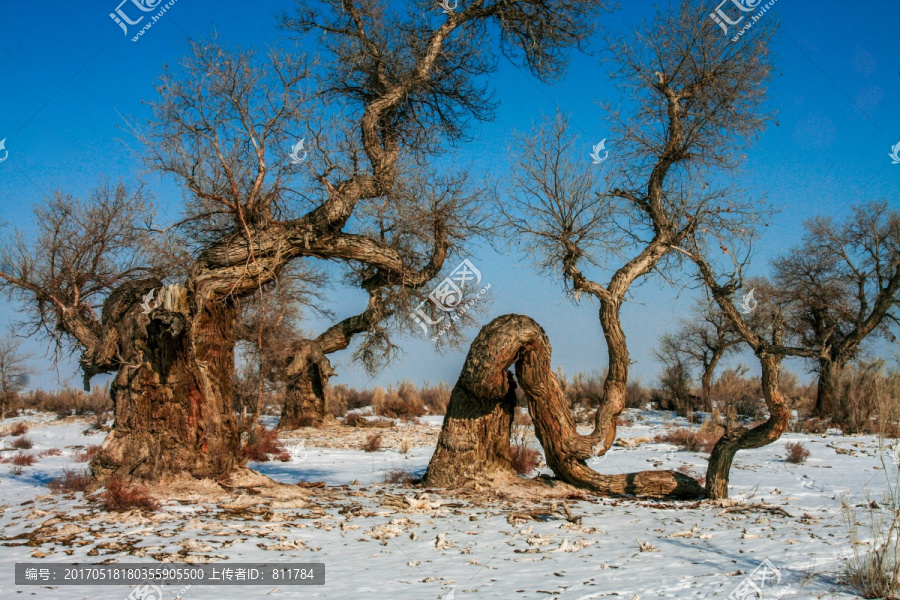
474, 440
829, 369
307, 376
172, 392
740, 438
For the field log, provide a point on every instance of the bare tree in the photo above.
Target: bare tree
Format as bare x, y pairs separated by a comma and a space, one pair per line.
14, 371
843, 281
701, 342
474, 441
697, 103
406, 86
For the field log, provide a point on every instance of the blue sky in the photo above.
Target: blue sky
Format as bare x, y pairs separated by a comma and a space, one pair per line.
69, 75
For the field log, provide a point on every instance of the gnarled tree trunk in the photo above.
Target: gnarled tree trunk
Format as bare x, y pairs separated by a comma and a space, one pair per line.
172, 392
307, 375
826, 387
740, 438
474, 439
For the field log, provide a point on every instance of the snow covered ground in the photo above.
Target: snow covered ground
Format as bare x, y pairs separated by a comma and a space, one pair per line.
392, 541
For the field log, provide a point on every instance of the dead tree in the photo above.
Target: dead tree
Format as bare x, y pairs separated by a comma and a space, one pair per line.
698, 101
474, 440
404, 85
843, 281
14, 371
701, 342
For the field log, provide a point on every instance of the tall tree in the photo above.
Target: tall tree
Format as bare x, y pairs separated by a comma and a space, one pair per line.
843, 281
697, 102
404, 85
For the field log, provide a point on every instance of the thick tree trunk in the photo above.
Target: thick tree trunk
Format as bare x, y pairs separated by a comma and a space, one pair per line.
172, 395
474, 440
826, 387
307, 376
740, 438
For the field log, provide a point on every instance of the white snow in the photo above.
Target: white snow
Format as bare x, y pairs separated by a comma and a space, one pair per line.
373, 549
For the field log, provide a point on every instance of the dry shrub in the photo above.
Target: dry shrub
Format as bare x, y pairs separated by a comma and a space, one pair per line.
19, 428
399, 476
796, 453
404, 446
866, 399
873, 567
692, 473
525, 459
813, 426
620, 422
737, 394
87, 454
436, 398
336, 400
70, 481
120, 496
636, 395
65, 403
690, 440
49, 452
22, 443
584, 392
404, 403
20, 459
372, 443
260, 442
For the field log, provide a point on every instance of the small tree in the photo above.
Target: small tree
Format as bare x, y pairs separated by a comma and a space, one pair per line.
14, 371
701, 342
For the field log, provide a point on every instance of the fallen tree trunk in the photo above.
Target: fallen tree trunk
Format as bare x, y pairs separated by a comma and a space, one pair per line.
474, 439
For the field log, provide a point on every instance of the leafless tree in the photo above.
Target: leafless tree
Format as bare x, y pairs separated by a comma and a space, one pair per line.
404, 85
843, 282
701, 342
14, 370
698, 102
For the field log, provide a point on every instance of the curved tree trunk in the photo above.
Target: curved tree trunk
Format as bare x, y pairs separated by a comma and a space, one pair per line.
172, 394
474, 440
307, 376
740, 438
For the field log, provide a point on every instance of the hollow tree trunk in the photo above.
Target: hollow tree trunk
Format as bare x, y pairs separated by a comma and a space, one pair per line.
172, 395
307, 376
740, 438
474, 439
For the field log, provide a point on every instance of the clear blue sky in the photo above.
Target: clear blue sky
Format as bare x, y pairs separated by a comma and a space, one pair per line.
68, 74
